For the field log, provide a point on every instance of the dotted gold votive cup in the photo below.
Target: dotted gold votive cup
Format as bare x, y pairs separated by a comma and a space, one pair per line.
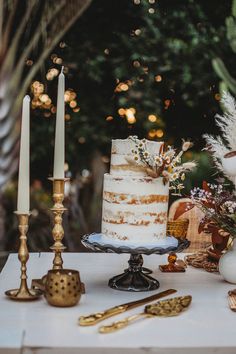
63, 287
178, 228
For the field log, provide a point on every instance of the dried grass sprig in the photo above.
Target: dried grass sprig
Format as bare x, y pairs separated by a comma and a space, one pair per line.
219, 146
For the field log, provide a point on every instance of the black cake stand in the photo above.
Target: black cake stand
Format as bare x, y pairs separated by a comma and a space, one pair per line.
135, 277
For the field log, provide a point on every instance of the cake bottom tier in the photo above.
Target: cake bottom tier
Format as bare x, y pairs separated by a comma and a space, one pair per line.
134, 209
133, 233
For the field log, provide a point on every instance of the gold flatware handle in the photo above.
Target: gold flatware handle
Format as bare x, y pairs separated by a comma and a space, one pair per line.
115, 326
93, 319
164, 308
232, 300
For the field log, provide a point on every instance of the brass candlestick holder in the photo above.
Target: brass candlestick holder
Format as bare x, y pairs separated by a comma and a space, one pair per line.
23, 293
58, 210
57, 231
57, 269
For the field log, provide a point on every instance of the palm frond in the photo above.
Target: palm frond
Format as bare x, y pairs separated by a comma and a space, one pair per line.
9, 58
60, 25
46, 22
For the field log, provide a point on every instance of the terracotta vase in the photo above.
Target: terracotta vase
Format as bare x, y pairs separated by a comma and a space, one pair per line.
227, 265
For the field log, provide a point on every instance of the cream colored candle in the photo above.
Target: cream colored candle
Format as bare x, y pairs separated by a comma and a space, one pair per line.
59, 150
23, 198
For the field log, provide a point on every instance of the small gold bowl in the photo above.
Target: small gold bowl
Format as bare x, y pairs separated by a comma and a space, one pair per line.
63, 287
178, 228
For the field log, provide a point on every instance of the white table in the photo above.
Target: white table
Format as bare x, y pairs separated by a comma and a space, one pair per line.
208, 326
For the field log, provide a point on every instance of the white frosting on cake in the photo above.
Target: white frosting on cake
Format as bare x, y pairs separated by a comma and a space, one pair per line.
134, 208
134, 204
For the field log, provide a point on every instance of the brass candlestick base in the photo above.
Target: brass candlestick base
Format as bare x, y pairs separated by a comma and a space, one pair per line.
58, 231
23, 293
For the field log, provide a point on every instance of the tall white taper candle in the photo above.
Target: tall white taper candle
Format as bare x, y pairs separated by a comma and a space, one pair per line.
23, 197
59, 150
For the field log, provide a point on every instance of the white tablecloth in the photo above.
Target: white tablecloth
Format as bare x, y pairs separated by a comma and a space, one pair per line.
208, 326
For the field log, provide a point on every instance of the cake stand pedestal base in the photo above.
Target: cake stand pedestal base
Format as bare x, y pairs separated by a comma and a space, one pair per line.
133, 278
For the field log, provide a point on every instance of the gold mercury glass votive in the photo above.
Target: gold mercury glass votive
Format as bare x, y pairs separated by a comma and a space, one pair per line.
178, 228
63, 287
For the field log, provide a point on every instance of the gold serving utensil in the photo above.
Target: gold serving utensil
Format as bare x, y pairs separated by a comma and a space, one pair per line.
164, 308
100, 316
232, 299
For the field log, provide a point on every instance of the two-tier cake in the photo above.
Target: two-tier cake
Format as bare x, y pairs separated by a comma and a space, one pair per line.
134, 204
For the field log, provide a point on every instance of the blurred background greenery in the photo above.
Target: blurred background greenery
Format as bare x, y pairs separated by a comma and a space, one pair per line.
151, 68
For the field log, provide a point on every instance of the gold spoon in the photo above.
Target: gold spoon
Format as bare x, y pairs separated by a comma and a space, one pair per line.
164, 308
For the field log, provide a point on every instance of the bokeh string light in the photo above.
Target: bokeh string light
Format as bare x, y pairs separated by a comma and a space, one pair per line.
42, 100
155, 133
51, 74
152, 118
123, 86
158, 78
128, 113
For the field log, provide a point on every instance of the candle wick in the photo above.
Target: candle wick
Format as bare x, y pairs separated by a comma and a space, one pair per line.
62, 69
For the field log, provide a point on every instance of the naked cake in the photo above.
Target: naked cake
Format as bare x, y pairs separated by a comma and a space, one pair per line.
134, 204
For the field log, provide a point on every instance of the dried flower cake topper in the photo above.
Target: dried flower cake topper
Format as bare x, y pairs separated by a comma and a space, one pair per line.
167, 164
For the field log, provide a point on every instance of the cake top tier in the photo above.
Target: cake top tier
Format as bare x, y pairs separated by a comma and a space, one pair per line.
121, 154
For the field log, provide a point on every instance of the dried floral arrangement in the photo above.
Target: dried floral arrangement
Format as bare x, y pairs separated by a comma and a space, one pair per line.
219, 208
167, 164
218, 204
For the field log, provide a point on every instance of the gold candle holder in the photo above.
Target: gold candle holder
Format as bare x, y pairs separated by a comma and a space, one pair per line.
57, 231
23, 293
58, 210
58, 247
178, 229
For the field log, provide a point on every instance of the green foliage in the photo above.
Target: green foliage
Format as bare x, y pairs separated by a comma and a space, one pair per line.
203, 172
118, 41
218, 64
104, 46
